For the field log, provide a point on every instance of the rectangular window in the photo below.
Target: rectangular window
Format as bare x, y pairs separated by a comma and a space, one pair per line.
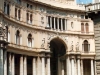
27, 5
19, 14
31, 6
7, 9
60, 23
82, 28
87, 28
16, 13
31, 19
18, 1
56, 23
82, 16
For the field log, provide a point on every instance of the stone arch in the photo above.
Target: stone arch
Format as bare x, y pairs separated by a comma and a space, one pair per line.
19, 32
58, 51
86, 40
30, 33
61, 39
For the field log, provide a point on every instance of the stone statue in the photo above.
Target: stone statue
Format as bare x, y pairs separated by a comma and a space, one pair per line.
77, 46
43, 42
72, 46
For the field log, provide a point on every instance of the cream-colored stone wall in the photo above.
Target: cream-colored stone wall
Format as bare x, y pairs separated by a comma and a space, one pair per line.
71, 36
71, 62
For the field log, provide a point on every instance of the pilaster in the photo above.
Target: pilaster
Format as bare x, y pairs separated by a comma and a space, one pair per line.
1, 62
21, 65
5, 62
13, 64
34, 66
25, 66
92, 67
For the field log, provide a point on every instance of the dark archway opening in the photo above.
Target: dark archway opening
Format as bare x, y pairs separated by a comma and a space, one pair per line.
58, 49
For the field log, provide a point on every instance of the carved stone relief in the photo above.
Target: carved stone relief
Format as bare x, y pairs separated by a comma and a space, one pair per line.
43, 43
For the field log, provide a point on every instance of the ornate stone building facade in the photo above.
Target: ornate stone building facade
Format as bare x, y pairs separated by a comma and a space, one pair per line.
46, 37
92, 11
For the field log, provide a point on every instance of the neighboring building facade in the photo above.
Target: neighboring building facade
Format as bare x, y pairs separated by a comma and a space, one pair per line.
95, 1
92, 11
47, 37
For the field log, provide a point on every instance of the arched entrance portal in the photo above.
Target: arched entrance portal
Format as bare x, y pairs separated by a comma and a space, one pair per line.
58, 50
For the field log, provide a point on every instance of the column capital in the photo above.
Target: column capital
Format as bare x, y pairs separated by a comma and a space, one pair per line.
48, 55
42, 54
78, 57
72, 56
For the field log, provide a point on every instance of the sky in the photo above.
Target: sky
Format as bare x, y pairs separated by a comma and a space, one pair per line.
84, 1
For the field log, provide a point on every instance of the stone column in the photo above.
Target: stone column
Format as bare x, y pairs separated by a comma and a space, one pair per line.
78, 65
25, 65
58, 23
38, 66
51, 22
1, 62
21, 14
92, 67
13, 64
13, 11
72, 66
65, 25
9, 64
43, 66
21, 65
48, 66
75, 73
29, 18
62, 67
34, 66
5, 62
68, 66
81, 67
47, 24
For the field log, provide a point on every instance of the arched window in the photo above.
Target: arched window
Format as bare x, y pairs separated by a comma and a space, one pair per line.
18, 37
86, 46
87, 27
82, 27
29, 40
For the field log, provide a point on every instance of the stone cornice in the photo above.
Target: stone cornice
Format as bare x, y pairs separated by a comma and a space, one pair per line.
43, 29
56, 7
